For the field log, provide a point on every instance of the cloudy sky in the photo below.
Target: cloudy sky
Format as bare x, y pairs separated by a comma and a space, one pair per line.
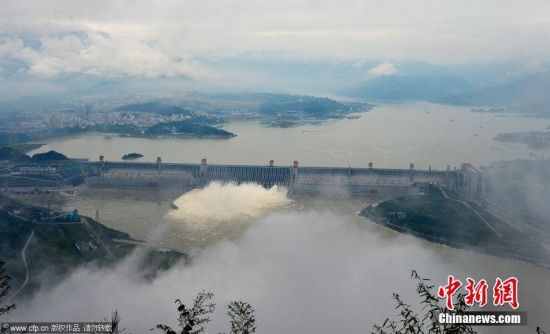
169, 37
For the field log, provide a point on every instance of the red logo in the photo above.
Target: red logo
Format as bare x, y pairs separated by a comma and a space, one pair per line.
477, 293
449, 290
504, 292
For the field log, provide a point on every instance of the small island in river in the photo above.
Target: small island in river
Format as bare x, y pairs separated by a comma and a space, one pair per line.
132, 156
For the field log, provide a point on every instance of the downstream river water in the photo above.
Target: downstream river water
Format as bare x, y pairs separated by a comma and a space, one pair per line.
390, 136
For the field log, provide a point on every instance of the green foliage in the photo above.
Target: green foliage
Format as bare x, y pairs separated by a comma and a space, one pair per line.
308, 105
410, 322
242, 317
132, 156
429, 214
186, 128
4, 289
436, 218
49, 156
193, 320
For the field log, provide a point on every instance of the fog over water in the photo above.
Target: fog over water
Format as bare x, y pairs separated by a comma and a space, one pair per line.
312, 267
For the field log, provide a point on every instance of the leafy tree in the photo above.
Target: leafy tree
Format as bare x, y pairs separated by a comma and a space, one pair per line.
410, 322
243, 320
4, 289
193, 320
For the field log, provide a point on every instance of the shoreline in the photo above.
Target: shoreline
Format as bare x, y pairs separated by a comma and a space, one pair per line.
367, 215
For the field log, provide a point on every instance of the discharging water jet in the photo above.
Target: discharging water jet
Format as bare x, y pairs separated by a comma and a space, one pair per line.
226, 205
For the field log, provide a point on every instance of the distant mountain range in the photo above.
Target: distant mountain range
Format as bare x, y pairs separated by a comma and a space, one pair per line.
408, 88
531, 90
528, 94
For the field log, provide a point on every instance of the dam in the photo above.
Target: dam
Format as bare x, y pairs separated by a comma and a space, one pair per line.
296, 178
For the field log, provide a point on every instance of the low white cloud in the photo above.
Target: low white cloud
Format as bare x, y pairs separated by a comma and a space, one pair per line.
324, 271
165, 31
100, 54
303, 272
384, 69
360, 64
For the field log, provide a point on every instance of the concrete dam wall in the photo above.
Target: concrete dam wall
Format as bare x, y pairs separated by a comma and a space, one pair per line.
295, 178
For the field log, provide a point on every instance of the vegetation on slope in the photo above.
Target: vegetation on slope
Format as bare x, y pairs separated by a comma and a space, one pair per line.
59, 245
186, 129
436, 218
49, 156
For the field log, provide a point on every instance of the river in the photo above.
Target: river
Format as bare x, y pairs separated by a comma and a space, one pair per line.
390, 136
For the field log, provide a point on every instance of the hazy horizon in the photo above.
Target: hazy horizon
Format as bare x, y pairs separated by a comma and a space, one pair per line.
315, 47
